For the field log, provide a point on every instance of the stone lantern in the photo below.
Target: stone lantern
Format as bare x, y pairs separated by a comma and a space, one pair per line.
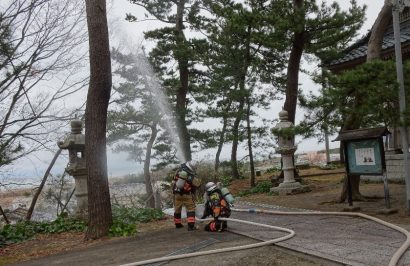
286, 148
75, 144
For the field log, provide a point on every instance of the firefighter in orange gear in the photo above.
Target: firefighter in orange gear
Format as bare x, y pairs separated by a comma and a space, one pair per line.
216, 206
184, 186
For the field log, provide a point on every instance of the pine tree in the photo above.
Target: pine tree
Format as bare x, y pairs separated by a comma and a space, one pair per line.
99, 204
241, 52
318, 30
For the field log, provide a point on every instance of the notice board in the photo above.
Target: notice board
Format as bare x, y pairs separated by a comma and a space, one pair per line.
365, 156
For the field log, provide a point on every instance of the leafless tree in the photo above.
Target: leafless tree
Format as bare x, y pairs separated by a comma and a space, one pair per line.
41, 52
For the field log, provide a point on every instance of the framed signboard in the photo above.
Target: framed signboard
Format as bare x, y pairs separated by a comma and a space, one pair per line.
365, 157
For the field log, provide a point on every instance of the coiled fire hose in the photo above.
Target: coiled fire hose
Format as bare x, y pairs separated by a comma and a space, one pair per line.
393, 261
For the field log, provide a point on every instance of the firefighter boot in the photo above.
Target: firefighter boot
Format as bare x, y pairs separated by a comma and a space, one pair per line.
191, 220
192, 227
177, 220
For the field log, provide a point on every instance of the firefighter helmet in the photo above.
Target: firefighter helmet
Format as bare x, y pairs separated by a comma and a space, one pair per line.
191, 166
210, 186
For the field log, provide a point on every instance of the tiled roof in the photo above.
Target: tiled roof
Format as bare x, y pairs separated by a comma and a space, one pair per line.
359, 49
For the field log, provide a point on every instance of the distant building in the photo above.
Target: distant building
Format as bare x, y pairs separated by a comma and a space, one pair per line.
316, 158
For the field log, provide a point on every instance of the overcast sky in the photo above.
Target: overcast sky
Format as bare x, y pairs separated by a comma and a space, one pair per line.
122, 33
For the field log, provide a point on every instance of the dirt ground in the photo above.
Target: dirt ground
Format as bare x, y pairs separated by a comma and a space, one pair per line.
326, 187
48, 244
325, 190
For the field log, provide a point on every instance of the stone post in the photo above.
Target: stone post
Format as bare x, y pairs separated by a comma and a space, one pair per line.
286, 148
75, 144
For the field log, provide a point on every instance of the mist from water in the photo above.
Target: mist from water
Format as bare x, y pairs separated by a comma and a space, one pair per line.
168, 118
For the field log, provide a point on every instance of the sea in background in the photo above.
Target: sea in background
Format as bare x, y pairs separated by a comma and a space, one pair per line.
17, 198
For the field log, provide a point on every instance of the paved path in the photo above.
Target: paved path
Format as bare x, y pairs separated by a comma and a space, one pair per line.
343, 240
348, 240
173, 241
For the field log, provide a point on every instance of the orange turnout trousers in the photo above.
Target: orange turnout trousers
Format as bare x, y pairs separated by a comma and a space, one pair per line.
186, 200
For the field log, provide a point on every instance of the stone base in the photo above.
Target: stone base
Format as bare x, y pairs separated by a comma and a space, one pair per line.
290, 188
387, 211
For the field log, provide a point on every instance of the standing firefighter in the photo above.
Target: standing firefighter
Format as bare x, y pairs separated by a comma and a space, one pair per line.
184, 186
217, 206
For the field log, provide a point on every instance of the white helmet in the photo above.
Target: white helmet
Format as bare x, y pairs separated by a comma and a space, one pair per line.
191, 166
210, 186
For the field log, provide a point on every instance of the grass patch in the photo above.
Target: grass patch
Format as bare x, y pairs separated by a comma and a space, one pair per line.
124, 224
125, 219
261, 187
14, 233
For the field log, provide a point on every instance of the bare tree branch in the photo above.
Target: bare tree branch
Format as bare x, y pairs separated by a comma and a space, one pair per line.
41, 67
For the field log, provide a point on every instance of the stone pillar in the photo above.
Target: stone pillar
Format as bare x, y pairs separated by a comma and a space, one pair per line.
75, 144
286, 148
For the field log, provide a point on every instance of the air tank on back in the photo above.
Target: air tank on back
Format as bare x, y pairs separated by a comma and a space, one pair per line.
227, 195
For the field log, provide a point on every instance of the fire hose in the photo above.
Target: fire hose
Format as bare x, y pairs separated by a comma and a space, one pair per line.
393, 261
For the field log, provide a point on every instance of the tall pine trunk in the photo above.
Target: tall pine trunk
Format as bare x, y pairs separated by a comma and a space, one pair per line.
239, 116
292, 81
181, 101
99, 205
379, 28
147, 163
220, 144
249, 131
235, 139
222, 136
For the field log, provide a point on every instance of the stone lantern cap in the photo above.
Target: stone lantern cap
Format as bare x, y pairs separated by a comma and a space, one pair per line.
284, 122
76, 126
76, 140
283, 115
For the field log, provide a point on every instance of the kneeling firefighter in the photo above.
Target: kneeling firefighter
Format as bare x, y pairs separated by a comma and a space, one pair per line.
184, 185
217, 206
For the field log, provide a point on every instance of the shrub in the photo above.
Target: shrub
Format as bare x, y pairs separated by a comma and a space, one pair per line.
125, 219
261, 187
273, 169
124, 224
328, 167
225, 180
13, 233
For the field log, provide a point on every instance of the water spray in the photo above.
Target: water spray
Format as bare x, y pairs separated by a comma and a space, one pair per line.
154, 85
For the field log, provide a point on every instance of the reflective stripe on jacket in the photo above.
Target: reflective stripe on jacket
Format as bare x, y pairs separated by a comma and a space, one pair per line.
218, 205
